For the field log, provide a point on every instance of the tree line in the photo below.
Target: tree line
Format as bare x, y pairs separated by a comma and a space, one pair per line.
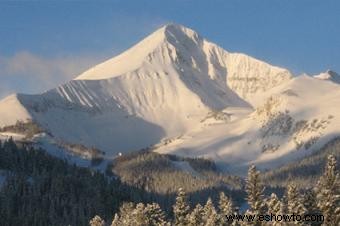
39, 189
323, 200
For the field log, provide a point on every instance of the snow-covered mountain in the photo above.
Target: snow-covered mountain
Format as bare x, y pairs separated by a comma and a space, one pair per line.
187, 96
289, 122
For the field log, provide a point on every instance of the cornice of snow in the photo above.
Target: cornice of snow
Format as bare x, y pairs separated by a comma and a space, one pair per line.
329, 75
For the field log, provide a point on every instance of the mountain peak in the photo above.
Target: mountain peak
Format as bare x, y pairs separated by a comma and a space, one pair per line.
329, 75
132, 59
332, 73
177, 50
177, 30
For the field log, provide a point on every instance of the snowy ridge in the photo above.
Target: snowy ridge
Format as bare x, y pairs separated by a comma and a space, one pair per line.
329, 75
182, 49
11, 110
291, 121
176, 86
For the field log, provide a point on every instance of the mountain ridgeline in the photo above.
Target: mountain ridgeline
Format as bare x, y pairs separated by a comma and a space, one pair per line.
180, 94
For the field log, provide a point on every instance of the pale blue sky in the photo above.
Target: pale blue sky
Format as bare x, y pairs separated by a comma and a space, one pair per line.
46, 42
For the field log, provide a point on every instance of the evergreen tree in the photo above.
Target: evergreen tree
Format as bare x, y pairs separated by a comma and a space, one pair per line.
181, 208
116, 221
309, 201
195, 218
139, 215
225, 205
274, 208
283, 209
295, 203
155, 215
328, 193
126, 216
254, 189
97, 221
226, 208
210, 215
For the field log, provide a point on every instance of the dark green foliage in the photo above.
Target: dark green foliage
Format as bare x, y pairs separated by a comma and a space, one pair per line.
162, 175
43, 190
208, 215
306, 172
328, 192
95, 154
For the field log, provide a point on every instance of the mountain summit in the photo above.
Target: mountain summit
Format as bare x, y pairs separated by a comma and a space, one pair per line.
162, 41
181, 94
175, 47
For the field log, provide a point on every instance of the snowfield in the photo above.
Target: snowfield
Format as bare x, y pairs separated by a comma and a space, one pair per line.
184, 95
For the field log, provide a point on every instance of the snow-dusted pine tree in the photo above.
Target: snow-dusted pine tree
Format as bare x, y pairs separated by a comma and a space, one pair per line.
155, 215
181, 208
328, 193
254, 189
309, 201
295, 203
139, 215
195, 218
97, 221
210, 216
225, 205
116, 221
274, 206
226, 208
126, 216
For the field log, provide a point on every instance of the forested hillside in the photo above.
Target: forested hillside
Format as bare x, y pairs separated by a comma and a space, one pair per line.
306, 172
317, 206
38, 189
165, 174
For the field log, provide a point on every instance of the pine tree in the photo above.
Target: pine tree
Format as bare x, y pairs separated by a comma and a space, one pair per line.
274, 208
226, 208
139, 215
126, 216
295, 203
210, 216
284, 207
254, 189
195, 218
225, 205
181, 208
97, 221
116, 221
155, 215
328, 193
309, 201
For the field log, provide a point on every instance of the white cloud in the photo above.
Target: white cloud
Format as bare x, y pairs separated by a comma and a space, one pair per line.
27, 72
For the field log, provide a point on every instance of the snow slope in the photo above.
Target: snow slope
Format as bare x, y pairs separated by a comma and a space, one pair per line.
11, 110
174, 47
290, 122
175, 88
